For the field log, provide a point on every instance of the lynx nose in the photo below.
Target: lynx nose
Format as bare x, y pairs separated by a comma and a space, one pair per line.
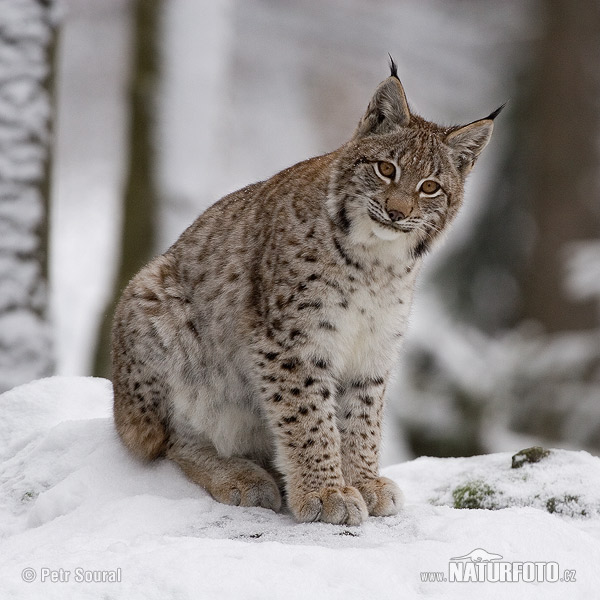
396, 215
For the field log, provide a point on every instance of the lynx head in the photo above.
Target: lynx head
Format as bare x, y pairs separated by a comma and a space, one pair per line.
401, 177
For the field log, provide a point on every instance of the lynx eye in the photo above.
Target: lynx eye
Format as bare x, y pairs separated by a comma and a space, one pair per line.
429, 186
387, 169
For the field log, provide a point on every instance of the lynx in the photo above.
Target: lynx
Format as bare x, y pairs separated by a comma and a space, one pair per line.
256, 351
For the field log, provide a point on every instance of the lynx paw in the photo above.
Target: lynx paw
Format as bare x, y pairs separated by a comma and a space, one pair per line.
252, 487
382, 496
338, 505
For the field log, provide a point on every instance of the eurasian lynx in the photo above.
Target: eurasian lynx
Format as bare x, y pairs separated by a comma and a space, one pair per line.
256, 351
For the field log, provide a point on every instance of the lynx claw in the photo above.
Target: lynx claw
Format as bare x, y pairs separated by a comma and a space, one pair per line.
337, 505
382, 496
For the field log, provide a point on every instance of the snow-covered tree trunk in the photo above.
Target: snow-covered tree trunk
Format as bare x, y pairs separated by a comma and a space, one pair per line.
27, 38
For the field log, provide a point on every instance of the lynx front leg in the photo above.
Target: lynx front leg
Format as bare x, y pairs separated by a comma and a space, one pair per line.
300, 406
360, 408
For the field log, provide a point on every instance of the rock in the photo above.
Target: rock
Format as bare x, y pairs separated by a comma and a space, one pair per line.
529, 455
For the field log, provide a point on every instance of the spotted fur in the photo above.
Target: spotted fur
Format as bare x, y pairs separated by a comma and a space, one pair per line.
256, 351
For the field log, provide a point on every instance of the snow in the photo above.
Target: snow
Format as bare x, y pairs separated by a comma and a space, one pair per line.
72, 498
583, 269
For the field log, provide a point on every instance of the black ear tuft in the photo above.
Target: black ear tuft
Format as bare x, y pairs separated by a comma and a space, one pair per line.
393, 68
495, 113
388, 109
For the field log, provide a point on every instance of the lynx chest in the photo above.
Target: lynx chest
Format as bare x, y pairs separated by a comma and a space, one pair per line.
371, 324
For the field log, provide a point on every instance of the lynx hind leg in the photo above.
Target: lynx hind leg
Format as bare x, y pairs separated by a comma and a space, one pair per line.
234, 480
139, 419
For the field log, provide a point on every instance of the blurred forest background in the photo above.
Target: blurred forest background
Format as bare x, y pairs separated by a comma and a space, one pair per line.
121, 120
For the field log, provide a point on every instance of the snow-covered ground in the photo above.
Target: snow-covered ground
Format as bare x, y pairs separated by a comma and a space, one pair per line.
74, 504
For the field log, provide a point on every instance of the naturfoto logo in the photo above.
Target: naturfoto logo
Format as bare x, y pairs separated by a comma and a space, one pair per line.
479, 565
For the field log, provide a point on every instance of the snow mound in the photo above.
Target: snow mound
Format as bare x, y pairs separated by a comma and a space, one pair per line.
75, 505
563, 482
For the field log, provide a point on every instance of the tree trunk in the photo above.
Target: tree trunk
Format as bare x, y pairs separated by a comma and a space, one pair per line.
139, 227
27, 40
562, 159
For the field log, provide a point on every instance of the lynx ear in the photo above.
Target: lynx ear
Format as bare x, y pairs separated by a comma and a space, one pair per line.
468, 141
388, 109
